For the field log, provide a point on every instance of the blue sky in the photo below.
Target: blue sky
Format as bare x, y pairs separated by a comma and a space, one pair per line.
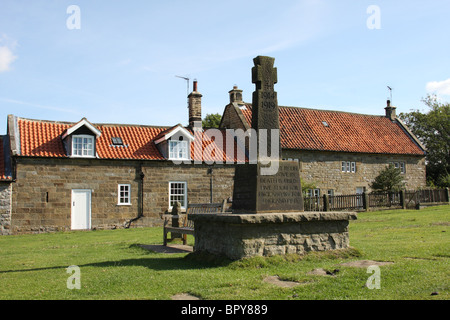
120, 66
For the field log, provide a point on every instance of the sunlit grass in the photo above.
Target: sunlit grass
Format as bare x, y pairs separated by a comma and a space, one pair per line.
113, 266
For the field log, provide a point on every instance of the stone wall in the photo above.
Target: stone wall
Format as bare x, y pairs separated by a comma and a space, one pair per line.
5, 208
323, 169
41, 196
238, 236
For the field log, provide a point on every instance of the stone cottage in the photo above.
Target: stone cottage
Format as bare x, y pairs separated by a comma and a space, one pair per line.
77, 176
339, 152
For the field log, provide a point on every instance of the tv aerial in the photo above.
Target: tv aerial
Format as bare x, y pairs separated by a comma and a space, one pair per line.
390, 93
187, 83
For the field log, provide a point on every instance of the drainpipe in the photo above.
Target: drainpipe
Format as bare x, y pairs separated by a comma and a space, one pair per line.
141, 198
210, 172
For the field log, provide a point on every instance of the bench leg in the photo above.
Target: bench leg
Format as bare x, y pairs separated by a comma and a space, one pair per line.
184, 239
165, 237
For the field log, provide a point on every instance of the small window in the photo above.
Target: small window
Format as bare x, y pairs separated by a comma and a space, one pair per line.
325, 124
124, 197
83, 146
117, 141
399, 165
313, 192
316, 192
178, 193
178, 149
348, 166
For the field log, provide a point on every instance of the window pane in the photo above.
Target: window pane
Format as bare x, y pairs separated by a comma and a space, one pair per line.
177, 193
124, 194
83, 146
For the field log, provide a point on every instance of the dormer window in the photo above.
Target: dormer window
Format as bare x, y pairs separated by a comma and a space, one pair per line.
175, 144
178, 149
79, 140
82, 146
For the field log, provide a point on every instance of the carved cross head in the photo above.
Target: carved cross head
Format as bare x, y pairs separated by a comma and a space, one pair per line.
264, 75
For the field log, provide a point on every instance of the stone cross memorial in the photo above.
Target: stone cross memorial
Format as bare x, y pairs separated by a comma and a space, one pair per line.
270, 185
267, 214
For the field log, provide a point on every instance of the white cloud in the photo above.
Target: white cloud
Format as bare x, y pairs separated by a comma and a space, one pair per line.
439, 87
6, 55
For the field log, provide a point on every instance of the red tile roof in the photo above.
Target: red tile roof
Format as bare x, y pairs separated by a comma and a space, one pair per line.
43, 139
302, 128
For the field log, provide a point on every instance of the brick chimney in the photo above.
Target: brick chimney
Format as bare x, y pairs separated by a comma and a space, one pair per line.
195, 107
236, 95
390, 111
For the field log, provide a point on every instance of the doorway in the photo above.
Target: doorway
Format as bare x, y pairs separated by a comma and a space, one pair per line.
81, 209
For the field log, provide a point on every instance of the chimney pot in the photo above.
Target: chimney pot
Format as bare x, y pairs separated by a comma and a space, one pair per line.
195, 107
390, 111
236, 95
195, 86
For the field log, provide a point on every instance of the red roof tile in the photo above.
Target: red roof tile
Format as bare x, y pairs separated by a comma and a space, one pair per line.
43, 139
302, 128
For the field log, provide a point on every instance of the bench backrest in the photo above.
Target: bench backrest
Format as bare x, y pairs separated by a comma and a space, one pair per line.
201, 208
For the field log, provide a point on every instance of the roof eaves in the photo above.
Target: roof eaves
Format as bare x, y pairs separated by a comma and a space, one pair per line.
405, 128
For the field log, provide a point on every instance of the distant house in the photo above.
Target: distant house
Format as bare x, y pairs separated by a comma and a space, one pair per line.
339, 152
76, 176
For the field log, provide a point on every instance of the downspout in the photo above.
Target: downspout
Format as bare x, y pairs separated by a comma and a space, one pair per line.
141, 198
210, 172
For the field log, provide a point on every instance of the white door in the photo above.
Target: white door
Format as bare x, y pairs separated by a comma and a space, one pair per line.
81, 209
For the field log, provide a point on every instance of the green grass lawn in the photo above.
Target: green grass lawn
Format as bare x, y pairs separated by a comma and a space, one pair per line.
113, 266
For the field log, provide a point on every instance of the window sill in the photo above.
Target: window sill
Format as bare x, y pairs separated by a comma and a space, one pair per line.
83, 157
124, 204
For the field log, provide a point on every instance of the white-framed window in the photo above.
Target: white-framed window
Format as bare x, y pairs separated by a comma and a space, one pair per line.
82, 146
348, 166
178, 149
178, 193
124, 194
399, 165
313, 192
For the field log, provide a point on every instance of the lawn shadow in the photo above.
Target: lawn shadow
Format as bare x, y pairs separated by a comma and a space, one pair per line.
155, 261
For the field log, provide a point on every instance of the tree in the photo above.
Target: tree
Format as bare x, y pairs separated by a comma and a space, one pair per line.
433, 131
212, 120
389, 180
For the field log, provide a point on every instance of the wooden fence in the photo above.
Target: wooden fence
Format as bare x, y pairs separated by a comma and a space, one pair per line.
405, 199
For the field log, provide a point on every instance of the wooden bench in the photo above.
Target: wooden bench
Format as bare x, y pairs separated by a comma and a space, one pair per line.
186, 226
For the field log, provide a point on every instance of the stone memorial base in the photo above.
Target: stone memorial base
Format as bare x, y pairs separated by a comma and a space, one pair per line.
238, 236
